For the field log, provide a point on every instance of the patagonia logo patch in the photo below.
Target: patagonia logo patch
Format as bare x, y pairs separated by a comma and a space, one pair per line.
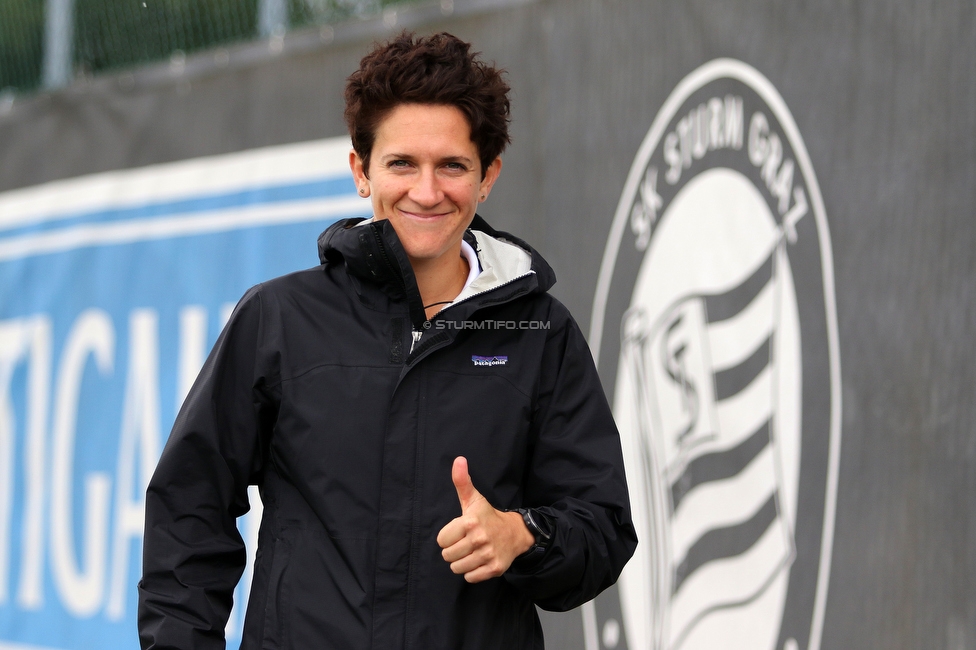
489, 361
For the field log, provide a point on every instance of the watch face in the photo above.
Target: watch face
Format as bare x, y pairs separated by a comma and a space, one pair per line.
532, 522
541, 526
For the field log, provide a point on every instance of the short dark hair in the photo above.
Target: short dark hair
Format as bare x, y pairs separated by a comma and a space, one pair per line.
438, 69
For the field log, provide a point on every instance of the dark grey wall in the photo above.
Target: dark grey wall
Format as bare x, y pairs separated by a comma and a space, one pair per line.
884, 95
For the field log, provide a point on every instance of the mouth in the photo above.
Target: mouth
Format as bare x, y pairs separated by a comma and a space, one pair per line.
423, 216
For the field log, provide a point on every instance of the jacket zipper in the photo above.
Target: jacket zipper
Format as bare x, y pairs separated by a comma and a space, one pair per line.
488, 290
397, 272
415, 526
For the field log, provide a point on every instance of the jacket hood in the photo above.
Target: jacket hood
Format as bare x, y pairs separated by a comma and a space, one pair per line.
372, 251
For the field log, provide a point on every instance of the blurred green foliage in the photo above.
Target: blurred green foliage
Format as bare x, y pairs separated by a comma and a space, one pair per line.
112, 34
21, 43
116, 33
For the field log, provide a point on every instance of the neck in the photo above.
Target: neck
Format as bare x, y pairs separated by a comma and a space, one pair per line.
440, 279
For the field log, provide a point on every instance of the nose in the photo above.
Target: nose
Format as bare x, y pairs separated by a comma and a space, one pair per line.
426, 191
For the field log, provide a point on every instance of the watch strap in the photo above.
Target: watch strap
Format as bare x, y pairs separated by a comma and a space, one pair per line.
540, 527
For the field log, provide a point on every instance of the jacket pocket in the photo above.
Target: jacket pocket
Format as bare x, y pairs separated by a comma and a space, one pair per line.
278, 595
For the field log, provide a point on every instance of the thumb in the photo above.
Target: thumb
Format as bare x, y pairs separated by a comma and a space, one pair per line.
462, 482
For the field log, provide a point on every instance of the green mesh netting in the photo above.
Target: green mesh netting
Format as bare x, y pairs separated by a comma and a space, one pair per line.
115, 33
112, 34
21, 43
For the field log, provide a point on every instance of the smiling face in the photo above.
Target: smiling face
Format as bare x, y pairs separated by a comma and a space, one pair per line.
425, 177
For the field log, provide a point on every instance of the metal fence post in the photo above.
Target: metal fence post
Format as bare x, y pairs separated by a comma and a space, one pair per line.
272, 17
59, 30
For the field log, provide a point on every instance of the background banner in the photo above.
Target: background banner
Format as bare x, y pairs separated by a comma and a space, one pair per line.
114, 288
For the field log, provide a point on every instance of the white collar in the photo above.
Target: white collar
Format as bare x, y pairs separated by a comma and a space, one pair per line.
474, 267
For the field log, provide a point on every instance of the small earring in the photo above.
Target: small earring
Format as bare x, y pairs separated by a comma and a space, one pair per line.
362, 190
482, 197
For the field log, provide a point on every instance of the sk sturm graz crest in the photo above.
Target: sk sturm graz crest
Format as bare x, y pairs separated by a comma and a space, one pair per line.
714, 322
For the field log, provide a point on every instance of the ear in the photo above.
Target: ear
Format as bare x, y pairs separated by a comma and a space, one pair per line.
491, 175
359, 174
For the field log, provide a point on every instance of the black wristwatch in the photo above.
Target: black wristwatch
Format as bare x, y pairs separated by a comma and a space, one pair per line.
540, 527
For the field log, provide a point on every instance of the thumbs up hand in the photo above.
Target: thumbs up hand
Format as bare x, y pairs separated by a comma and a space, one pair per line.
482, 542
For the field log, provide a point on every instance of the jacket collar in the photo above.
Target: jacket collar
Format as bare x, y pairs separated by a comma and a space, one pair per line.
372, 251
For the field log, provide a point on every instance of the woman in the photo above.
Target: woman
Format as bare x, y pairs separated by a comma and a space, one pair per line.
434, 452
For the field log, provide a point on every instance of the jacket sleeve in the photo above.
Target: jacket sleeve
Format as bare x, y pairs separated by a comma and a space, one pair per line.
575, 478
193, 554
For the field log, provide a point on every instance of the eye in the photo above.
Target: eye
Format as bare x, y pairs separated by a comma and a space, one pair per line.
456, 167
399, 164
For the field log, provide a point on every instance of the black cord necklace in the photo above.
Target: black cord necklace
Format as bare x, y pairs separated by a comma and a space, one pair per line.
442, 302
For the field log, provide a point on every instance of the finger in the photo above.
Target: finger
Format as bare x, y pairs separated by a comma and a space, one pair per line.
482, 573
469, 563
462, 482
450, 534
455, 552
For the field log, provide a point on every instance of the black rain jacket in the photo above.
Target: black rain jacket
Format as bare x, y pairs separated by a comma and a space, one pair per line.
318, 392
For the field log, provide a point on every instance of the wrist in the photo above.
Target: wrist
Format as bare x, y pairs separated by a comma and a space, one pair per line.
524, 539
539, 528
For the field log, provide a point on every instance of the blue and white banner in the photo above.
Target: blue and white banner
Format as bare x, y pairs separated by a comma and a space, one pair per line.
113, 288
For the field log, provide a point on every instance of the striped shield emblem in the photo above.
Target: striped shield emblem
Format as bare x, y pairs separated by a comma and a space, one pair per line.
704, 374
725, 374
